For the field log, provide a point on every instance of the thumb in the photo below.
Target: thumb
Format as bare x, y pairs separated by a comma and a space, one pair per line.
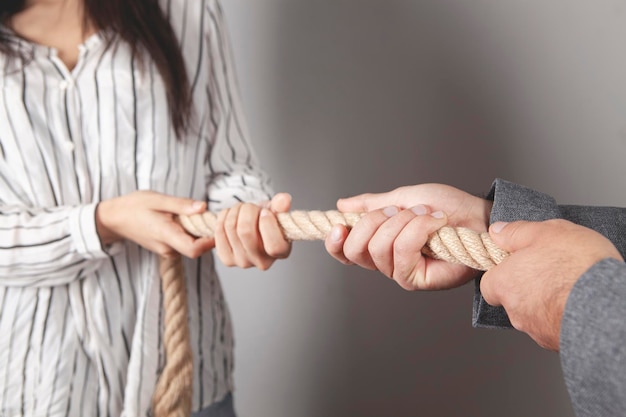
513, 236
280, 203
363, 203
178, 205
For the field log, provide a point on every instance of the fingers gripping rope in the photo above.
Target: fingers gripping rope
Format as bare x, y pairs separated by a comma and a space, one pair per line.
172, 397
457, 245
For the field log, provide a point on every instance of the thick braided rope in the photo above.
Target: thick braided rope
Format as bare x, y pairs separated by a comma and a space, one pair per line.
456, 245
172, 397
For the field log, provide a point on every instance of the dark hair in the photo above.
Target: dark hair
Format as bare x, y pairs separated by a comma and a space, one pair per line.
144, 26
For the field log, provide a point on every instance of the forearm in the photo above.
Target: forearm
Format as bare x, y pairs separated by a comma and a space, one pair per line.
45, 247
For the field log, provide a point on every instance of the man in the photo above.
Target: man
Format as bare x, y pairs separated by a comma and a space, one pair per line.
564, 282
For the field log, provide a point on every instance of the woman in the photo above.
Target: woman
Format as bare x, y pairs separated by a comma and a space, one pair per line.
115, 117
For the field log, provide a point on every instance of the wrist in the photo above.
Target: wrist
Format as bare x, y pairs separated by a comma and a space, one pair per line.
478, 214
486, 207
103, 224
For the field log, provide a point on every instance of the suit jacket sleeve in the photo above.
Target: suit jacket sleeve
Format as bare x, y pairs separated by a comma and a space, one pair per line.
593, 341
593, 328
511, 202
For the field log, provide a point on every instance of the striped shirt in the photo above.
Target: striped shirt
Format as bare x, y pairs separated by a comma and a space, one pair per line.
81, 325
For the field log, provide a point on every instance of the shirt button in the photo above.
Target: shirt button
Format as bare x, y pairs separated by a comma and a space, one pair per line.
65, 84
69, 146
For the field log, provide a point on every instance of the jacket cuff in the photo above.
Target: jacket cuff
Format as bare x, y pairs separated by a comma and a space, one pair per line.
511, 202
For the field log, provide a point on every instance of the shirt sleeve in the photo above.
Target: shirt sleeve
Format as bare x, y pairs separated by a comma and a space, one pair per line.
47, 247
233, 169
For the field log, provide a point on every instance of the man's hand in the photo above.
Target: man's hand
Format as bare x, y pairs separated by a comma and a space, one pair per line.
534, 281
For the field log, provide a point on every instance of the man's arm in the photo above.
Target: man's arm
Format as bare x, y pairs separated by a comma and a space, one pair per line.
593, 341
513, 202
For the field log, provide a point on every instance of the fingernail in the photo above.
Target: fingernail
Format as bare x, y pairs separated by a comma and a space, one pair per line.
265, 212
390, 211
419, 210
438, 214
498, 226
335, 234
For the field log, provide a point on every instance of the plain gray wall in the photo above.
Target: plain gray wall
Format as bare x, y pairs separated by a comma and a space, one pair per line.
352, 96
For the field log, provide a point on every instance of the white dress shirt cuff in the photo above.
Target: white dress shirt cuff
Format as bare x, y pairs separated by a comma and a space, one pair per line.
85, 234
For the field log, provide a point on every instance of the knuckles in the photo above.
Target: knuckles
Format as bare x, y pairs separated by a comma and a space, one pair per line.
279, 250
355, 255
246, 230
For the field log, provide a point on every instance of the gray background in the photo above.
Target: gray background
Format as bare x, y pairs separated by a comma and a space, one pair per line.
352, 96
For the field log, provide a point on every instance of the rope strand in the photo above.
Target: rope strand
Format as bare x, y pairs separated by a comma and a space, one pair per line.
172, 395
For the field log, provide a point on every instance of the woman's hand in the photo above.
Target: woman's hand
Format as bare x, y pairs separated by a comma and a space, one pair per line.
149, 219
398, 224
248, 235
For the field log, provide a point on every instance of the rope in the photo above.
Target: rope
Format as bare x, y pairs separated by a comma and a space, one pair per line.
451, 244
172, 397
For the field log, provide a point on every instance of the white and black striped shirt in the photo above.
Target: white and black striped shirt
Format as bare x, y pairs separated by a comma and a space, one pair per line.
81, 326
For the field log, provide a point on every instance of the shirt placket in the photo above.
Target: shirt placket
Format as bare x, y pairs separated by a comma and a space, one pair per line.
72, 143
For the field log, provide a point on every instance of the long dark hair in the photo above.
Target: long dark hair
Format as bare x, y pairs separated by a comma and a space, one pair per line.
144, 26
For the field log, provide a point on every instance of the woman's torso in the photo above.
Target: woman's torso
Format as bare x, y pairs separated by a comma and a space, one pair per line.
92, 346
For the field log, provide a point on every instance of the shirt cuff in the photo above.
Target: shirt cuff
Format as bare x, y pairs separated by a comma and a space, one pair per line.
84, 233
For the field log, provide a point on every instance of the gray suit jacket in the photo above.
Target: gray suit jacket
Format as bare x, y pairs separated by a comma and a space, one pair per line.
593, 330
